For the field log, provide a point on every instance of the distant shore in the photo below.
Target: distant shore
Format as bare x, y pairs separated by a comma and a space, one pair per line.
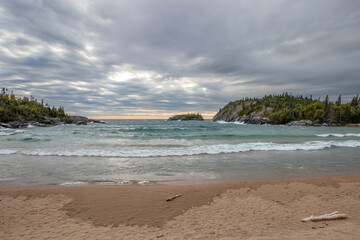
270, 209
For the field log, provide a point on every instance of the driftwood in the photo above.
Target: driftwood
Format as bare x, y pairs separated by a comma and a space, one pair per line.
172, 198
330, 216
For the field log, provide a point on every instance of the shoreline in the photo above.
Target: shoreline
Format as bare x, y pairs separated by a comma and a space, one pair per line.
256, 209
175, 182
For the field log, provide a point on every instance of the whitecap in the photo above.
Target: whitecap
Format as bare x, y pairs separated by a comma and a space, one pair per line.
7, 151
235, 122
341, 135
222, 122
239, 123
124, 182
73, 183
201, 149
144, 182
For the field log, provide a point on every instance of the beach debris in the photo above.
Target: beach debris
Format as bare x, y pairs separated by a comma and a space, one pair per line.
174, 197
330, 216
160, 236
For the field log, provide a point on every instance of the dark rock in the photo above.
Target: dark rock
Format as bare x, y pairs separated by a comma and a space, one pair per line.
244, 119
228, 115
5, 125
78, 120
300, 123
81, 123
259, 121
49, 122
19, 124
96, 121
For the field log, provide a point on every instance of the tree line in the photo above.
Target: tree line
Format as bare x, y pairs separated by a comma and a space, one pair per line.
14, 108
284, 108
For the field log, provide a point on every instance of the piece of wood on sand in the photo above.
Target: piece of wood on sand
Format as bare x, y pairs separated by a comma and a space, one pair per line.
174, 197
331, 216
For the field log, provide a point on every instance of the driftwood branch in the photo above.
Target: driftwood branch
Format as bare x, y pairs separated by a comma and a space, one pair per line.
172, 198
330, 216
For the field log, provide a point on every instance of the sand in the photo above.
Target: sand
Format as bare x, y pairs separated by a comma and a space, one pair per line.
244, 210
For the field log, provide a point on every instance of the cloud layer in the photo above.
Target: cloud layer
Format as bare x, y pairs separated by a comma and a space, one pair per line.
152, 58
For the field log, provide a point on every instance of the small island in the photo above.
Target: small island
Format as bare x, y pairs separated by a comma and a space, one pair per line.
187, 117
22, 112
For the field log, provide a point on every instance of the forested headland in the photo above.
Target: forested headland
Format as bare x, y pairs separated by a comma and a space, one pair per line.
17, 112
14, 108
286, 108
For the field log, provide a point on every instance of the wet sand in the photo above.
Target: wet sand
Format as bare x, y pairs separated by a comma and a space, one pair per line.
270, 209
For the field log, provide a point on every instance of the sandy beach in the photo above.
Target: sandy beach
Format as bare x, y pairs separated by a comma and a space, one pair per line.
270, 209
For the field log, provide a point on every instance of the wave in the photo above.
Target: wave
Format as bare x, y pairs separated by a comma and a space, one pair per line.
121, 182
8, 133
236, 122
194, 150
7, 151
73, 183
339, 135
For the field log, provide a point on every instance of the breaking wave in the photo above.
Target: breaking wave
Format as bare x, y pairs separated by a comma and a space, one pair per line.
238, 123
194, 150
7, 132
339, 135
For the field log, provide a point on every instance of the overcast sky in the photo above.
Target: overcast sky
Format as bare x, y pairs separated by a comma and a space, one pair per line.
156, 58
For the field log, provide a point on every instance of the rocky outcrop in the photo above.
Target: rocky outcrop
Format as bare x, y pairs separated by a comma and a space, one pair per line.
78, 120
50, 122
258, 121
230, 113
300, 123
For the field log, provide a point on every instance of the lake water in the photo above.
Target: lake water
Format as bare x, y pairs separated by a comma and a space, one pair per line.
143, 151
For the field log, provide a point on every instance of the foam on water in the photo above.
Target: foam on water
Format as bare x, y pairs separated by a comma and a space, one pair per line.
7, 151
236, 122
157, 150
194, 150
9, 132
339, 135
124, 182
73, 183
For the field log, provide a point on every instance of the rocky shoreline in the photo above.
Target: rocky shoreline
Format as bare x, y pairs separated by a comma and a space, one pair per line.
257, 118
50, 122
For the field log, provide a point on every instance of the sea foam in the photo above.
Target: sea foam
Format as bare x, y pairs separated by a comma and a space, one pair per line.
236, 122
7, 132
7, 151
73, 183
196, 150
339, 135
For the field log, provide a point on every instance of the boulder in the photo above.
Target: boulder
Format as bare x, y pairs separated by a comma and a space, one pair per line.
78, 120
5, 125
300, 123
259, 121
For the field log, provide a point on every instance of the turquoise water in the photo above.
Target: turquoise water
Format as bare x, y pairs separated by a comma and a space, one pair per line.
124, 151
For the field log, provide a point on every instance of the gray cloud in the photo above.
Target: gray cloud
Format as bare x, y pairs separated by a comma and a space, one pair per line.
147, 57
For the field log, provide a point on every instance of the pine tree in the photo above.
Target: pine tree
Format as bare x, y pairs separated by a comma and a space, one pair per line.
338, 102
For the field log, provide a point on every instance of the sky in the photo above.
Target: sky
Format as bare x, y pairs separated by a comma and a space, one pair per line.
156, 58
